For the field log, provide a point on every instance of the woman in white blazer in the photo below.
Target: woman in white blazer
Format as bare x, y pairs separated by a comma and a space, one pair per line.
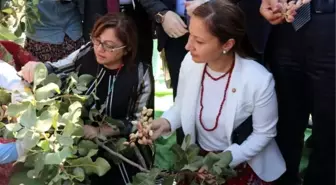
219, 88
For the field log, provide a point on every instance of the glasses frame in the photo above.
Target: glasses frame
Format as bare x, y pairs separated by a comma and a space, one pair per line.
100, 43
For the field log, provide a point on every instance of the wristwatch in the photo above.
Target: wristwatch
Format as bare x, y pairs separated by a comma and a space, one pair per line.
159, 17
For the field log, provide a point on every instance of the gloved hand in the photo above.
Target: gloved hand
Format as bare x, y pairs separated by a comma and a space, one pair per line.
173, 25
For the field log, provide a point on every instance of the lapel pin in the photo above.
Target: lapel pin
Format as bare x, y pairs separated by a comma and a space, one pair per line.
234, 90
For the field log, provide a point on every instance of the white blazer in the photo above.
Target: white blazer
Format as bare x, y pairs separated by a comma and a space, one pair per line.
251, 92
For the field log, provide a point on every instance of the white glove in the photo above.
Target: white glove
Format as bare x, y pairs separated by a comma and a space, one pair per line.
173, 25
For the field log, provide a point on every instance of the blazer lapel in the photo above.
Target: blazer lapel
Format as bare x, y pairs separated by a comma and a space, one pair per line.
231, 102
190, 96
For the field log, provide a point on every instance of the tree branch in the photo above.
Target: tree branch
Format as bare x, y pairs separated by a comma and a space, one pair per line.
120, 156
140, 157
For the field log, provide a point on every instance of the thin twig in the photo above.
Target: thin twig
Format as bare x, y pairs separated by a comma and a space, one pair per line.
140, 157
121, 156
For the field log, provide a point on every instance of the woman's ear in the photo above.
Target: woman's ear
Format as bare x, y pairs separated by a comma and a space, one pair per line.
228, 45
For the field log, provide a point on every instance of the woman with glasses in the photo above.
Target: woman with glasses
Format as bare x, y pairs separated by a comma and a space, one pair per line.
123, 85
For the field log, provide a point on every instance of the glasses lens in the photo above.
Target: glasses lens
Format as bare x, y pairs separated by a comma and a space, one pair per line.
95, 41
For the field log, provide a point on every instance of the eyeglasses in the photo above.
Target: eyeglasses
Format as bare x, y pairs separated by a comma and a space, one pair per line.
106, 46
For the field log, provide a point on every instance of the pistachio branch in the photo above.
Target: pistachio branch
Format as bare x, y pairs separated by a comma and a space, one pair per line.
120, 156
140, 157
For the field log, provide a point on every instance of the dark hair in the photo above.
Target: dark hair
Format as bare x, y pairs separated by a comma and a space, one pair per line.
224, 20
125, 30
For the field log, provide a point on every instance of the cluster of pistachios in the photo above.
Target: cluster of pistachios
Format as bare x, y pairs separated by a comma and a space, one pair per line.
289, 8
144, 132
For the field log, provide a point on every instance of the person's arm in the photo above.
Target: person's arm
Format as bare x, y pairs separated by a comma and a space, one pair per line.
265, 118
153, 7
8, 153
144, 97
67, 64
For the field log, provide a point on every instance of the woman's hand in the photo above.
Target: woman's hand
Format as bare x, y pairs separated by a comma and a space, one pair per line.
205, 176
90, 132
278, 11
159, 127
27, 71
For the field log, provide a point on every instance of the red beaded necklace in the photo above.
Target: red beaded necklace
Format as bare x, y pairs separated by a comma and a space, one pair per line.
224, 98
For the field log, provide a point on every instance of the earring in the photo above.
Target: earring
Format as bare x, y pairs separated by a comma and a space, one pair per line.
224, 52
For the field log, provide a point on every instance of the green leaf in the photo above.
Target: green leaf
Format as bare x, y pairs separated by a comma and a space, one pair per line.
102, 166
5, 97
186, 142
224, 160
8, 10
210, 159
28, 118
85, 79
46, 91
153, 174
13, 127
168, 180
2, 125
196, 165
42, 103
58, 157
65, 140
92, 153
20, 29
36, 2
40, 74
79, 174
21, 133
79, 98
72, 120
73, 129
38, 164
192, 153
31, 139
46, 120
16, 109
31, 174
44, 144
52, 78
99, 167
146, 178
75, 111
6, 34
85, 146
93, 114
72, 81
180, 157
75, 91
114, 122
120, 144
81, 88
